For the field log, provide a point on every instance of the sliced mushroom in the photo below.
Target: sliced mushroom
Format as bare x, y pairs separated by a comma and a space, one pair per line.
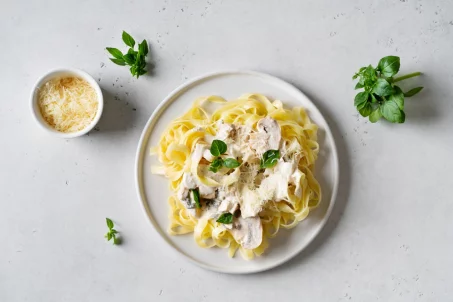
248, 231
268, 136
272, 128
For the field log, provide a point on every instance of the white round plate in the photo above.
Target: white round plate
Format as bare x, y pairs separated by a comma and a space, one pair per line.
153, 190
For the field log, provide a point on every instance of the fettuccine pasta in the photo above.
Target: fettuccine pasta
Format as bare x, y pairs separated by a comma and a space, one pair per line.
240, 172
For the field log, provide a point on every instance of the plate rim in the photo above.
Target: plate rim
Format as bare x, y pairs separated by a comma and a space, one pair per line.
140, 153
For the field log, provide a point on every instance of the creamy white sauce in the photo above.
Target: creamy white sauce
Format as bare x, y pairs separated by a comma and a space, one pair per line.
247, 188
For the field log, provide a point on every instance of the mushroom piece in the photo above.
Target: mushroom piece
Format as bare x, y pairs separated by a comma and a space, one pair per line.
248, 231
268, 136
272, 128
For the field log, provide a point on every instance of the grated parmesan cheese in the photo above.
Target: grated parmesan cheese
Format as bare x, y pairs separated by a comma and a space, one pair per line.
68, 104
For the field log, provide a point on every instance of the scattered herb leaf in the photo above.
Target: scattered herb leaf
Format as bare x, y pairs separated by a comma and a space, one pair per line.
112, 232
218, 147
133, 58
381, 97
231, 163
128, 40
216, 164
196, 198
269, 159
225, 218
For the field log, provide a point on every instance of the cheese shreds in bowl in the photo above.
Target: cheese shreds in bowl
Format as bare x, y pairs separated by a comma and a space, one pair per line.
68, 104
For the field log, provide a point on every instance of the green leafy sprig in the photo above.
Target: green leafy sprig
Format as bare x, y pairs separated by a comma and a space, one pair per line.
270, 159
381, 97
112, 233
218, 148
134, 58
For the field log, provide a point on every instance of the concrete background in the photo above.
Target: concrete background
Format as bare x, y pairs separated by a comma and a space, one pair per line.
391, 234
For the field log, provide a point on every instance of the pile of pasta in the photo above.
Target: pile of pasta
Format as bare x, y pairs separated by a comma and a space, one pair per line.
181, 136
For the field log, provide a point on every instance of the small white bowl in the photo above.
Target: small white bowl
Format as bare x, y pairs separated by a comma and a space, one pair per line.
65, 72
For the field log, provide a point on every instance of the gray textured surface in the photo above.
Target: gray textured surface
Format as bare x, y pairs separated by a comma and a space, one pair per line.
391, 235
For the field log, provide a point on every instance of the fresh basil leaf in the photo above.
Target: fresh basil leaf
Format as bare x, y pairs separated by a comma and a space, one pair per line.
373, 99
358, 86
118, 61
231, 163
382, 87
116, 240
398, 97
116, 53
361, 98
109, 223
375, 115
143, 47
369, 76
128, 40
218, 147
413, 92
391, 112
133, 70
365, 110
113, 231
225, 218
141, 72
389, 66
196, 198
108, 236
270, 159
216, 164
129, 58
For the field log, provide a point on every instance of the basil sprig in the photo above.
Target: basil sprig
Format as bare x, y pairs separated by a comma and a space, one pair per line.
381, 97
218, 148
135, 59
111, 234
270, 159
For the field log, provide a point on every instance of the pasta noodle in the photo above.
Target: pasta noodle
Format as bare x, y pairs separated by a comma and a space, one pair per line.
176, 153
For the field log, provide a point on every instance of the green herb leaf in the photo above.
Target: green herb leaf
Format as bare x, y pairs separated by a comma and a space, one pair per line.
109, 223
141, 72
398, 97
118, 61
389, 66
116, 53
135, 59
143, 47
130, 59
391, 112
128, 40
358, 86
108, 236
413, 92
366, 110
218, 147
196, 198
382, 87
270, 159
116, 240
216, 164
231, 163
375, 115
361, 98
225, 218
